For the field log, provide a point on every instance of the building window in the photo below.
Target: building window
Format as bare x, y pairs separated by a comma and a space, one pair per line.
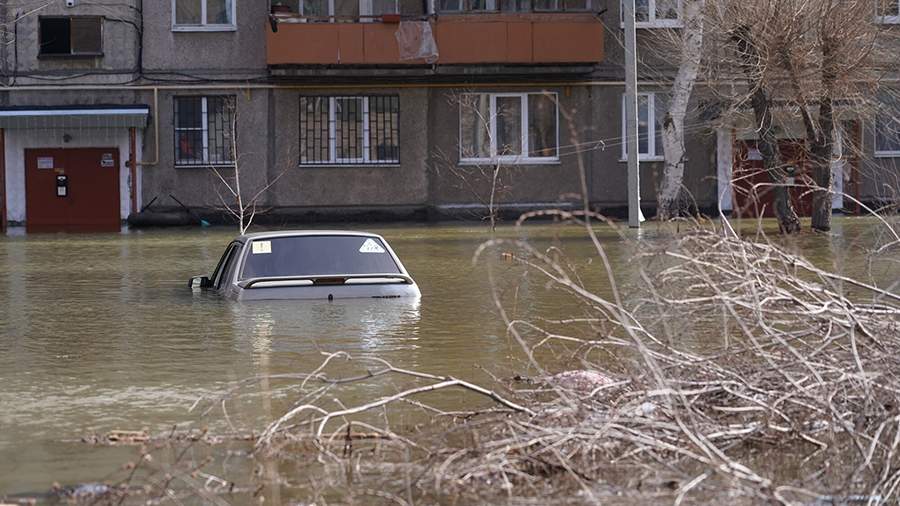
203, 15
462, 6
204, 131
508, 127
887, 128
350, 130
651, 112
71, 36
888, 11
655, 13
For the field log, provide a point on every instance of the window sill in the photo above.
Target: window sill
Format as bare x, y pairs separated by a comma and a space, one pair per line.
365, 165
887, 154
515, 161
656, 24
204, 28
888, 20
68, 56
222, 165
645, 159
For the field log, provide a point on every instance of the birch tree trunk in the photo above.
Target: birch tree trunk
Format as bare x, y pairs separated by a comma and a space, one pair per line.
673, 126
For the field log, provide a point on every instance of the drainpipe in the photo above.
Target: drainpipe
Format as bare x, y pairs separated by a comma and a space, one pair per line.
2, 180
132, 166
155, 130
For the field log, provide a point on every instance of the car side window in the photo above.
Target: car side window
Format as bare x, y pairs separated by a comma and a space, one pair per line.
230, 265
225, 267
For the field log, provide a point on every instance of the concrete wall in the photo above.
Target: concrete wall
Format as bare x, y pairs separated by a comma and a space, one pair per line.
21, 44
199, 186
348, 186
187, 55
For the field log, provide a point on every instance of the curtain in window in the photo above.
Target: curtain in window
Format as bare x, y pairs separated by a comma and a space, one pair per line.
641, 11
380, 7
384, 125
218, 12
314, 128
644, 125
188, 12
348, 129
189, 130
314, 8
346, 8
219, 129
509, 126
660, 108
475, 119
887, 125
888, 8
541, 126
667, 9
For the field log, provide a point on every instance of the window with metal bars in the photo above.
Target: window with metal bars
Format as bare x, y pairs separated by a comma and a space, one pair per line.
203, 130
357, 130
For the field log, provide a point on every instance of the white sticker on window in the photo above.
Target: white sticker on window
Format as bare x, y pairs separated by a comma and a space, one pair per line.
262, 247
370, 246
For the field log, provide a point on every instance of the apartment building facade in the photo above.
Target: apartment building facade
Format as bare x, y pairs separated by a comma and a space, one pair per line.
342, 109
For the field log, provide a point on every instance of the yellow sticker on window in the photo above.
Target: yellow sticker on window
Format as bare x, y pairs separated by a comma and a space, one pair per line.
262, 247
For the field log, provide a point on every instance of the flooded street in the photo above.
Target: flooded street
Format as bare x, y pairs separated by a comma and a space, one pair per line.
100, 332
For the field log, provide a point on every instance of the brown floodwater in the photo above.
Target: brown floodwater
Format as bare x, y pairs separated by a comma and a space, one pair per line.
100, 333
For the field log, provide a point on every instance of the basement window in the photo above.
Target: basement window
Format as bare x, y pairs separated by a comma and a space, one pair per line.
71, 36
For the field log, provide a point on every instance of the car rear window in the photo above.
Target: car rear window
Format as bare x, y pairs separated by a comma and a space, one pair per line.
317, 256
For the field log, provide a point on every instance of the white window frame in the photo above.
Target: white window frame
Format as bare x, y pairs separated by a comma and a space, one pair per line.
887, 20
653, 22
204, 26
881, 153
522, 159
653, 154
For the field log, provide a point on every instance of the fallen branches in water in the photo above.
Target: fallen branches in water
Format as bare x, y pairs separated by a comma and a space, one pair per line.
731, 370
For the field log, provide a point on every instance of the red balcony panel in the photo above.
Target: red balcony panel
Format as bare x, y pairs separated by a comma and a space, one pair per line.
557, 41
461, 39
519, 42
380, 43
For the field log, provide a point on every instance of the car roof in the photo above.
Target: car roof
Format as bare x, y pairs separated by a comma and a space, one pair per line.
301, 233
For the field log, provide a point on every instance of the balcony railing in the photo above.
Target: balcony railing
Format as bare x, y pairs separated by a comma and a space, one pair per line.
470, 38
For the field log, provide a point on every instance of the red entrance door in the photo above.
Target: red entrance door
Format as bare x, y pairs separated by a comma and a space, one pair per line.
72, 190
754, 194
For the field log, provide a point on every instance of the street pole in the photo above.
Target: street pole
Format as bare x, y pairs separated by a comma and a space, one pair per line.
631, 117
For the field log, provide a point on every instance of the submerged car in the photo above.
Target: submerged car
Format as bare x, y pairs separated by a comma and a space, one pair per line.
308, 265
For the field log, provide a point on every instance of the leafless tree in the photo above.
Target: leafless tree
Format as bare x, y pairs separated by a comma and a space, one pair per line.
804, 59
235, 199
688, 42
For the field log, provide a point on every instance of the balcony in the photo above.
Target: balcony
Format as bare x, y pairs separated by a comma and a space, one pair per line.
461, 39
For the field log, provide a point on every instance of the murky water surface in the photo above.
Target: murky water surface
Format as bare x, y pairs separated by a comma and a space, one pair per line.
99, 332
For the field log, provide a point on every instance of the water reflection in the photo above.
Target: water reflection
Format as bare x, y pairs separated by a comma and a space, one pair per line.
305, 326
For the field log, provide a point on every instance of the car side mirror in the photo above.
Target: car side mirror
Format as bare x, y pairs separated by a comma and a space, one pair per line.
199, 283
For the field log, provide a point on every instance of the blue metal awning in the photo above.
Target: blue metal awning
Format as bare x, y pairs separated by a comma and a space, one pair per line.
75, 117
